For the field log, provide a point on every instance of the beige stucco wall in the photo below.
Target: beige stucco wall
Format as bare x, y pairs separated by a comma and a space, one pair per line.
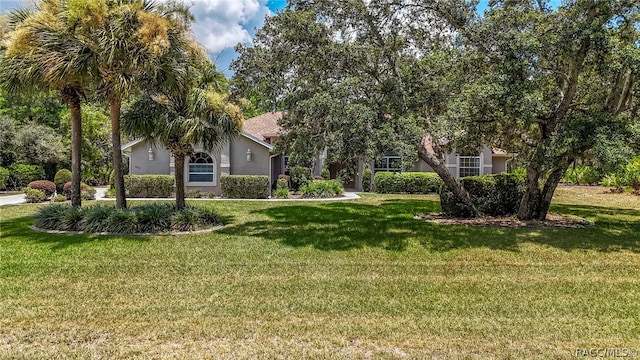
259, 164
499, 164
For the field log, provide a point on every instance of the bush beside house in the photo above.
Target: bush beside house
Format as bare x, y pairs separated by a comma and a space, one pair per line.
149, 186
322, 189
495, 195
245, 186
409, 182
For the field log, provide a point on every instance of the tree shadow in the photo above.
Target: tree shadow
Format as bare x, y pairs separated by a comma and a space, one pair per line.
19, 228
391, 226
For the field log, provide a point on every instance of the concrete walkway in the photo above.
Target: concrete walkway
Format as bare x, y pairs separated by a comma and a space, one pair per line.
100, 191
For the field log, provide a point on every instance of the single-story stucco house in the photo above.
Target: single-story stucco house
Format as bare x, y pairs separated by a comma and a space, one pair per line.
253, 154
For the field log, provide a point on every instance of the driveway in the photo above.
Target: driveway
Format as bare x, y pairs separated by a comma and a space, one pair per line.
19, 198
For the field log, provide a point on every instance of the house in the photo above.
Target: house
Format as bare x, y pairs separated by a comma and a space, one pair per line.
253, 154
249, 154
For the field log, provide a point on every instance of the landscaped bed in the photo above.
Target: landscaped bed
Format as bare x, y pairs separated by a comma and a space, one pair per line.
354, 279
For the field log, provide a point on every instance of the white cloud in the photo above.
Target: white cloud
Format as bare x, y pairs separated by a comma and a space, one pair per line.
221, 24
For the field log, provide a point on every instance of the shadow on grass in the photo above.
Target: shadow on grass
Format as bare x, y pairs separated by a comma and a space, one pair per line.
391, 226
19, 228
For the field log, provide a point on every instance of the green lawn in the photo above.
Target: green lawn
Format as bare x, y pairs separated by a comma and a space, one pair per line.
358, 279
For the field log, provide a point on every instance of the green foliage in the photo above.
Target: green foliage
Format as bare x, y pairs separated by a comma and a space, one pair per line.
148, 186
39, 144
86, 192
300, 175
152, 218
62, 177
326, 175
322, 189
409, 182
4, 177
582, 175
23, 174
632, 173
34, 195
46, 186
192, 193
282, 184
495, 195
281, 193
245, 186
59, 198
366, 180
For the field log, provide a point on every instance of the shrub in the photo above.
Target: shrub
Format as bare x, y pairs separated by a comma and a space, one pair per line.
137, 219
148, 186
632, 173
50, 217
34, 195
96, 218
325, 174
46, 186
184, 220
245, 186
110, 193
409, 182
494, 195
282, 184
122, 221
4, 177
300, 175
59, 198
366, 180
21, 175
322, 189
192, 193
613, 180
154, 217
582, 175
86, 191
62, 177
281, 193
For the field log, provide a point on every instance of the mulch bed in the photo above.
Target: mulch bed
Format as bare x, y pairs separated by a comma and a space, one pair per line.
552, 221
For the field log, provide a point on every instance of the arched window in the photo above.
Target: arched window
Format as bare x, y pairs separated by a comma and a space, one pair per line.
201, 168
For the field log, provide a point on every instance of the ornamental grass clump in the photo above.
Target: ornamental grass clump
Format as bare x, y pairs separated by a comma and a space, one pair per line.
148, 218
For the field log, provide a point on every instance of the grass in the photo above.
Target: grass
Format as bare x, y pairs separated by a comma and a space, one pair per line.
357, 279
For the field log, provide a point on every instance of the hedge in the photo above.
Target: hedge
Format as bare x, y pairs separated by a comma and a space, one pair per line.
148, 186
4, 177
408, 182
322, 189
495, 195
366, 180
46, 186
22, 174
62, 177
245, 186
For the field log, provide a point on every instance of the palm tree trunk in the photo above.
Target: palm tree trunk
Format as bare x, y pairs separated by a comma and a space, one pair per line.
76, 151
115, 105
179, 171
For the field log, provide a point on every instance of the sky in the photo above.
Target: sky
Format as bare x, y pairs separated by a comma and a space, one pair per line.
219, 26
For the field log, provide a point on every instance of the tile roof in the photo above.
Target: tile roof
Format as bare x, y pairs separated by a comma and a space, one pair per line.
264, 126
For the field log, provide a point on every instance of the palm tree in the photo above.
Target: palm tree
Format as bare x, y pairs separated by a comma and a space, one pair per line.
192, 110
43, 52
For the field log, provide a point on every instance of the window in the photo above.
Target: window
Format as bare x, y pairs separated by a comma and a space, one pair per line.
469, 166
389, 163
201, 168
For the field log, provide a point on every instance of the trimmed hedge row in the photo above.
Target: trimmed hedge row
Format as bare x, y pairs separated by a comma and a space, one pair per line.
495, 195
148, 186
322, 189
408, 182
245, 186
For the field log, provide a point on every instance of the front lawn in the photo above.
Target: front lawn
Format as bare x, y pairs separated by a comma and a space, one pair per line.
354, 279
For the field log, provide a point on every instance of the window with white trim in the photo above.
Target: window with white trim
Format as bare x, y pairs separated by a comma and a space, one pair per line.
468, 166
201, 168
391, 163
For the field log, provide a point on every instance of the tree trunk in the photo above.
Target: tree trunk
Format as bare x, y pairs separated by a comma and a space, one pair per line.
76, 151
179, 171
529, 205
449, 180
115, 105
